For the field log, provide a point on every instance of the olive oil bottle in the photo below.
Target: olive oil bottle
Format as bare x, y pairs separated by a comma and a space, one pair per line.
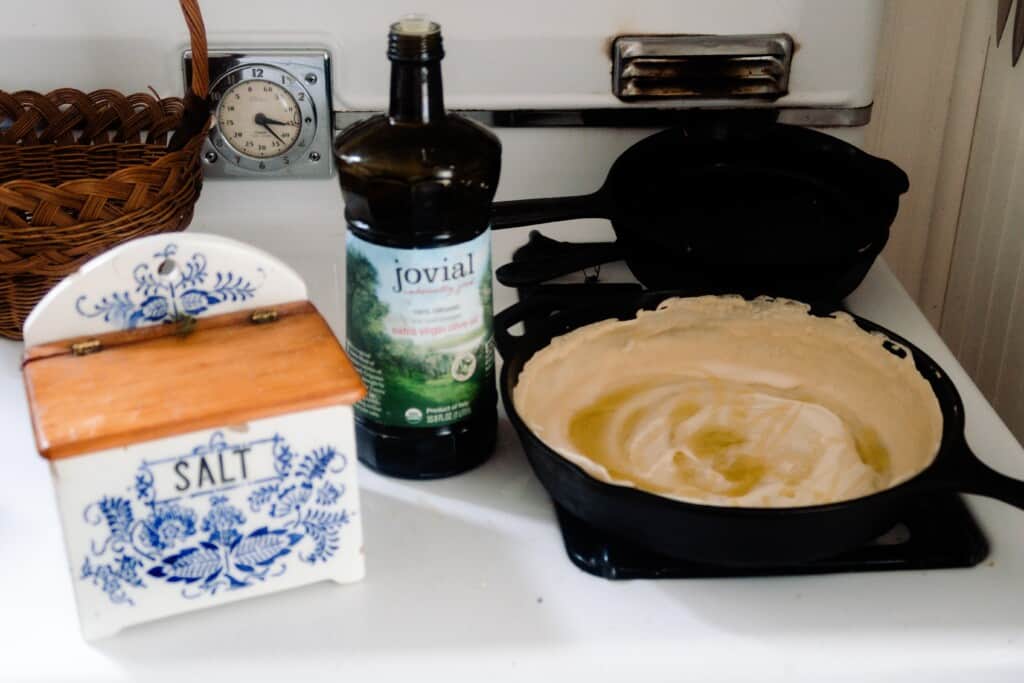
418, 185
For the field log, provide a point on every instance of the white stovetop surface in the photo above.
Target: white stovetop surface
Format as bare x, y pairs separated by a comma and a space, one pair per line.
467, 578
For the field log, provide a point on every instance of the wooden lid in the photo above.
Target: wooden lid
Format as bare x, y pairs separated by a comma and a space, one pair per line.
154, 382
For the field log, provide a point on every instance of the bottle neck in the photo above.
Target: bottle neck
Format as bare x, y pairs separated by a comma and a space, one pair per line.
416, 92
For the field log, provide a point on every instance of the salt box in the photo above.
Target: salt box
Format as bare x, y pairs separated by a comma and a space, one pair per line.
196, 412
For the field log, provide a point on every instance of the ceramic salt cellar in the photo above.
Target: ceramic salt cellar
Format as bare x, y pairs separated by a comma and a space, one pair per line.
195, 409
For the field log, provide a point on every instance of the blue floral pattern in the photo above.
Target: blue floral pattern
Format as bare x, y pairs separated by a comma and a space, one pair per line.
168, 524
168, 290
221, 547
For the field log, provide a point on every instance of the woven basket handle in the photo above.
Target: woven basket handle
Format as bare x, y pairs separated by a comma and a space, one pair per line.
197, 35
197, 102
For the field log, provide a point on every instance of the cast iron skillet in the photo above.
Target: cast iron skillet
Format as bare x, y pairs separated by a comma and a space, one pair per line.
747, 537
730, 203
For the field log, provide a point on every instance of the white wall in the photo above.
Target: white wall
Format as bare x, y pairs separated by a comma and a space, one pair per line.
983, 317
930, 63
949, 109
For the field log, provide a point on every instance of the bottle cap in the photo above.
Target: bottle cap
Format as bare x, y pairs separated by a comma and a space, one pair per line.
415, 38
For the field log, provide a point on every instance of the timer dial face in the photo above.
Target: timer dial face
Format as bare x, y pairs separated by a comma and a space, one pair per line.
259, 118
267, 121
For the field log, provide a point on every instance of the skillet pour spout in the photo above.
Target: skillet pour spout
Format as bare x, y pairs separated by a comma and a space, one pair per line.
727, 536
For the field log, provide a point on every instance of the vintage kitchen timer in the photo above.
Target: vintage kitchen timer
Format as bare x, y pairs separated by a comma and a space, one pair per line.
196, 412
272, 111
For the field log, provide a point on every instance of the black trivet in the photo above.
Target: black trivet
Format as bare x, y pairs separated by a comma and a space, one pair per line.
938, 532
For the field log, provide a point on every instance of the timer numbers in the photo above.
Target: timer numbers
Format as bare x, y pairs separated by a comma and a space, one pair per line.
258, 117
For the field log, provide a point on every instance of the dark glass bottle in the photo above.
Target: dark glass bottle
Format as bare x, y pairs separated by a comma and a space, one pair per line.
418, 185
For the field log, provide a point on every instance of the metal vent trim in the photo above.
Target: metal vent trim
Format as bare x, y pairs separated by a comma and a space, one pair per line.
702, 67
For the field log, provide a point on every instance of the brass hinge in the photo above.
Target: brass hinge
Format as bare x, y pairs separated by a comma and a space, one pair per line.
263, 317
84, 348
184, 325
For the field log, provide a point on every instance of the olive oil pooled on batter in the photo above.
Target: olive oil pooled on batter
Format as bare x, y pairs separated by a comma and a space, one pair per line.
715, 457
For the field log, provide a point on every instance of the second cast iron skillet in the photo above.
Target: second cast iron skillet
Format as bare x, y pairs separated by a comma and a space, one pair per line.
727, 205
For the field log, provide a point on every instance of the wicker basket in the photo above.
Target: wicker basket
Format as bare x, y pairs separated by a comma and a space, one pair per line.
82, 172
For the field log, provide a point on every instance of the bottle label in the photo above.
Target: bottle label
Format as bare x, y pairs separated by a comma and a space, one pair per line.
419, 330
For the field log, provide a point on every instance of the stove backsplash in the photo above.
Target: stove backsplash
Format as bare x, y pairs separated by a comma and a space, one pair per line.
532, 54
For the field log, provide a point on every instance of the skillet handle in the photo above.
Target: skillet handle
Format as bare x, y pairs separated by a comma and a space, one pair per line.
549, 299
571, 259
968, 474
505, 320
521, 212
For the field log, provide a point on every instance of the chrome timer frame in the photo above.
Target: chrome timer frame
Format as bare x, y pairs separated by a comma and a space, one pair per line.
306, 76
